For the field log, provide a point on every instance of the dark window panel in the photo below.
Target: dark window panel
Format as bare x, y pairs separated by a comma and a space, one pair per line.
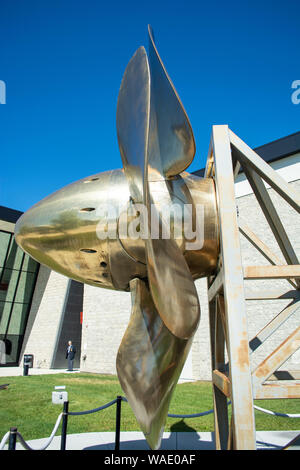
15, 257
18, 319
25, 287
4, 242
10, 278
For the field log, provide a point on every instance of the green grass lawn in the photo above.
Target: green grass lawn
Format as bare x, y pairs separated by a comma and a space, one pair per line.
27, 405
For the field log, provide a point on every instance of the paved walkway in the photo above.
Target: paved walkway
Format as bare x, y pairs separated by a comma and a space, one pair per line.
15, 371
266, 440
135, 440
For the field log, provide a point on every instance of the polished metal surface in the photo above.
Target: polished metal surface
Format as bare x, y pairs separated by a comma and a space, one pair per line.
178, 307
171, 140
61, 230
76, 233
133, 111
171, 148
149, 363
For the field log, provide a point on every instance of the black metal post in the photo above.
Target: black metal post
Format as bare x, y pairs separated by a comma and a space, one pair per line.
64, 426
25, 369
12, 439
118, 422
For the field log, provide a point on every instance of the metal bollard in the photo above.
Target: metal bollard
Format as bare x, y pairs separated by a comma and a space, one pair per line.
64, 426
118, 422
25, 369
12, 439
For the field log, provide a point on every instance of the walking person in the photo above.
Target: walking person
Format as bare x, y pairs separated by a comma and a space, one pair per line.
70, 355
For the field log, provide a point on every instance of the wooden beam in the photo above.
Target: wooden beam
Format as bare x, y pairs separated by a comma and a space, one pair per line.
222, 316
271, 294
267, 367
234, 301
236, 169
248, 157
285, 375
222, 382
261, 247
216, 286
272, 217
272, 272
273, 325
209, 161
280, 389
219, 399
258, 244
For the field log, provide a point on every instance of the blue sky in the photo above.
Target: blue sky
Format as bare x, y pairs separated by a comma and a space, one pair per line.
62, 61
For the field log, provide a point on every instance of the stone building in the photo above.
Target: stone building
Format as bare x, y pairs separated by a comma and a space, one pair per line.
58, 309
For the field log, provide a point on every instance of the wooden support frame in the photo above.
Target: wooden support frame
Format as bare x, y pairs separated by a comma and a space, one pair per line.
227, 295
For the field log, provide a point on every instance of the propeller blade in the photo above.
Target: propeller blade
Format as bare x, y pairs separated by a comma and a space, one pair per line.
156, 141
133, 111
153, 128
170, 125
172, 286
171, 148
149, 363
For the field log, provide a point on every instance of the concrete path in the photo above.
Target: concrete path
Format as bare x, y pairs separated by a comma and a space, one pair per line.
266, 440
16, 371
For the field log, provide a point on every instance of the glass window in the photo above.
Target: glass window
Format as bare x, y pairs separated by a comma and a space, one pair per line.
2, 304
18, 319
13, 344
17, 280
29, 264
24, 290
3, 286
9, 278
5, 309
4, 242
3, 290
15, 257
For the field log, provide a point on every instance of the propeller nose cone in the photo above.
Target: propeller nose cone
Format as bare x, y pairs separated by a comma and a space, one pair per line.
34, 229
61, 233
18, 229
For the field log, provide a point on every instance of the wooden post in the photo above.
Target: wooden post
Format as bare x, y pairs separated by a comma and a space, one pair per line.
227, 299
230, 281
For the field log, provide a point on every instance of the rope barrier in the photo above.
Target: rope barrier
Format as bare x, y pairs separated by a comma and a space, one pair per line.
275, 413
4, 440
78, 413
48, 442
24, 443
107, 405
196, 415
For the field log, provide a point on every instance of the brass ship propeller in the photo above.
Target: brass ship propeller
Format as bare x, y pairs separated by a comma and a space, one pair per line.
67, 232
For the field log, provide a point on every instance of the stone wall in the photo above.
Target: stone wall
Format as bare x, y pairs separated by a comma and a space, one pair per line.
261, 312
45, 317
105, 317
